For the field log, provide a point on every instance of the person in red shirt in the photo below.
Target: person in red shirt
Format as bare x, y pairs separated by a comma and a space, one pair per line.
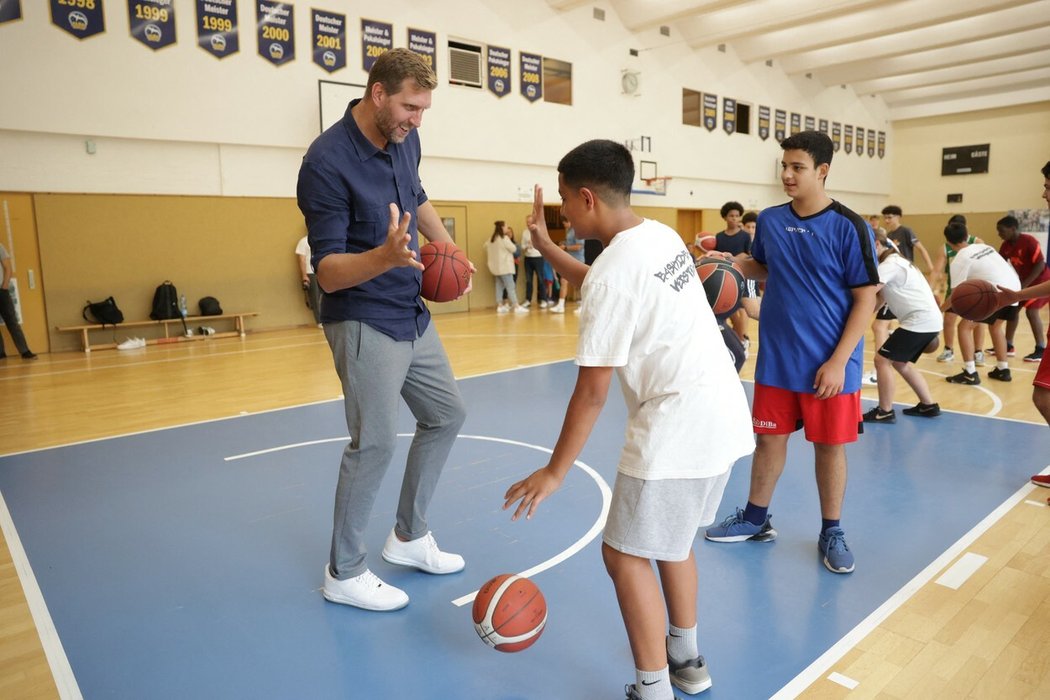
1024, 254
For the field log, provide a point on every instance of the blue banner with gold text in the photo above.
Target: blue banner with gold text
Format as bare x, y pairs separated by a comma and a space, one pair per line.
498, 70
217, 27
836, 135
780, 125
10, 10
275, 31
376, 39
729, 115
763, 122
710, 111
81, 18
328, 30
425, 44
152, 22
531, 76
860, 140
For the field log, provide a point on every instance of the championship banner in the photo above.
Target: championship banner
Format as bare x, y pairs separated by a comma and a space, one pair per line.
425, 44
729, 115
763, 122
796, 123
847, 145
81, 18
882, 144
836, 135
871, 143
10, 10
860, 140
710, 111
376, 39
531, 76
328, 30
780, 125
152, 22
498, 70
275, 31
823, 128
811, 123
217, 27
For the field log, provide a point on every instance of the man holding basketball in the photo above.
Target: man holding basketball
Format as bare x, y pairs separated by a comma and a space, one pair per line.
818, 260
644, 317
379, 330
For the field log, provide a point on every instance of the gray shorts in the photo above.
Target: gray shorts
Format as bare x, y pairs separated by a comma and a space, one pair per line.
658, 519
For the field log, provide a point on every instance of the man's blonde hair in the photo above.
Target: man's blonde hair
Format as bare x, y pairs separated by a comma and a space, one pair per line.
391, 69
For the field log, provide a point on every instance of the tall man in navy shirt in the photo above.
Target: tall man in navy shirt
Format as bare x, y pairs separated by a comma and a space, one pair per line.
364, 205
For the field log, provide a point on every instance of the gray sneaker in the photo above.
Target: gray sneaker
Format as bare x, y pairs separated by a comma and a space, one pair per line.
632, 692
689, 676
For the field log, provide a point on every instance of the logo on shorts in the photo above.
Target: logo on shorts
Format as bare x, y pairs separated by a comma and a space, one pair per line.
770, 424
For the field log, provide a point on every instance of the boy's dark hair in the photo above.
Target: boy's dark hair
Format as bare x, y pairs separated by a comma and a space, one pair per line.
1008, 222
892, 210
603, 166
816, 143
1046, 170
731, 206
955, 233
748, 217
957, 219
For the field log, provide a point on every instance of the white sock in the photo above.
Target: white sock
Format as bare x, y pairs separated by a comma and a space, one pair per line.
970, 367
681, 644
654, 685
1002, 365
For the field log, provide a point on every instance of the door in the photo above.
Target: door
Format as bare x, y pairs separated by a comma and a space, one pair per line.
455, 220
18, 234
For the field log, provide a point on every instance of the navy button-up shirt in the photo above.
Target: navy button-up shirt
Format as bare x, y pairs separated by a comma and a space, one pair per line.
345, 188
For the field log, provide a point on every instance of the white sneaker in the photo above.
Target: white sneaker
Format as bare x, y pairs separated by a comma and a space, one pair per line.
422, 554
526, 304
366, 591
978, 359
502, 309
522, 309
132, 344
871, 378
558, 308
544, 304
577, 311
946, 356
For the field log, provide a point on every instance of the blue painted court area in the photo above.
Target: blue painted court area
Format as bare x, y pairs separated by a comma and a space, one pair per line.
173, 571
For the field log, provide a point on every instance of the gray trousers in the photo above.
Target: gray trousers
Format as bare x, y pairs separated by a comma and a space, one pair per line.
376, 371
7, 312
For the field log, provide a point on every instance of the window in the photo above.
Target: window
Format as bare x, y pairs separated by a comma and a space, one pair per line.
743, 118
691, 112
557, 81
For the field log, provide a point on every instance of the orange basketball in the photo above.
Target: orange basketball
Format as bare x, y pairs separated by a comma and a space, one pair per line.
723, 284
975, 300
509, 613
706, 241
446, 271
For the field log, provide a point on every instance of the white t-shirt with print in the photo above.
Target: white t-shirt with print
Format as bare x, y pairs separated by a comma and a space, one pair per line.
983, 262
909, 296
645, 313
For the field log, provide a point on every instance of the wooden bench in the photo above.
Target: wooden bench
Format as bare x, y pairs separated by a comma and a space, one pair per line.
191, 322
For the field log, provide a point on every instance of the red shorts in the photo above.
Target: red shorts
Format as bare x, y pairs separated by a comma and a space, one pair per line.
833, 421
1042, 373
1037, 303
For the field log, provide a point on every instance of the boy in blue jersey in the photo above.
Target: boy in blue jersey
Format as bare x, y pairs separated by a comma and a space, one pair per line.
818, 261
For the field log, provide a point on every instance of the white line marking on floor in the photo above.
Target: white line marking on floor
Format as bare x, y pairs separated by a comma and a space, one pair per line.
842, 680
961, 571
997, 404
824, 662
45, 626
1036, 503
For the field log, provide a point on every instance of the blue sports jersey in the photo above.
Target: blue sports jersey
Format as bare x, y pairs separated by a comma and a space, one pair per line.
814, 262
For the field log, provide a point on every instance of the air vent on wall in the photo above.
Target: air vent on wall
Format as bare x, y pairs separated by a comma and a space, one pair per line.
464, 64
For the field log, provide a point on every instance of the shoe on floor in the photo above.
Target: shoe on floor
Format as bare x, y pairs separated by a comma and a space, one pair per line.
689, 676
558, 308
422, 554
1042, 480
132, 344
927, 410
1036, 356
735, 529
877, 415
632, 692
366, 591
544, 304
946, 356
837, 557
526, 304
1002, 375
978, 359
871, 378
1010, 352
521, 309
964, 377
29, 355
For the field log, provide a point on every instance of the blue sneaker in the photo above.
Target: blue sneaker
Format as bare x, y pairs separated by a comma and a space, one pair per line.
837, 557
735, 529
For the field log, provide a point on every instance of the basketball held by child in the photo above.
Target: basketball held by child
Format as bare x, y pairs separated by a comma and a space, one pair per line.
509, 613
446, 271
975, 300
723, 284
706, 241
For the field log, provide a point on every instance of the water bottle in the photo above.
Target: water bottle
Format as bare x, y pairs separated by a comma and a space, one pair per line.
182, 305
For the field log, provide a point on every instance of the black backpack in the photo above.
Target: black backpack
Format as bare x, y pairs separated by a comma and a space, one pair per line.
165, 303
104, 312
210, 306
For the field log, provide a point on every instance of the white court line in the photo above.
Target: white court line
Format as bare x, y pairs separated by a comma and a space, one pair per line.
61, 671
572, 549
842, 680
820, 666
961, 571
997, 404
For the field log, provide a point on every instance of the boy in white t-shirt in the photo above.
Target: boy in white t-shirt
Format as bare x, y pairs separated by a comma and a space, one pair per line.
645, 316
982, 262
